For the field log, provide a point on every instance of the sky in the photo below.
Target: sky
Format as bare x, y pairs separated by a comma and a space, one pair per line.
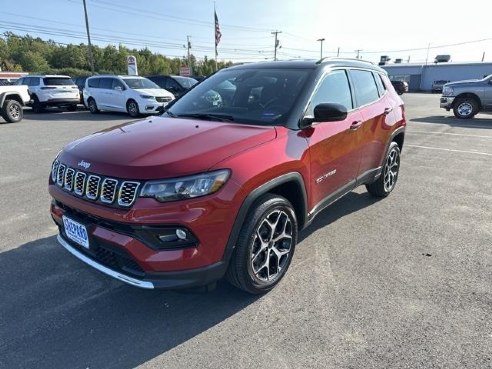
413, 30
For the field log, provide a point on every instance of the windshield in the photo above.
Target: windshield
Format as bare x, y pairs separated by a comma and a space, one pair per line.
186, 82
139, 83
253, 96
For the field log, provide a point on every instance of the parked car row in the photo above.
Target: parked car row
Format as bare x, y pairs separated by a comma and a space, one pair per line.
132, 94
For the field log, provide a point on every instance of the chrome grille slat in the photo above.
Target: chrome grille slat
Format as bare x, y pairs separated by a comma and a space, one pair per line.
92, 189
69, 175
54, 170
79, 187
128, 193
108, 190
101, 189
60, 175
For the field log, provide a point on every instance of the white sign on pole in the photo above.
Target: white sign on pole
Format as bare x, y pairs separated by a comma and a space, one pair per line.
132, 65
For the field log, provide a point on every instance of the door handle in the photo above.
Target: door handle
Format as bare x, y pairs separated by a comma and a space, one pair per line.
387, 111
356, 124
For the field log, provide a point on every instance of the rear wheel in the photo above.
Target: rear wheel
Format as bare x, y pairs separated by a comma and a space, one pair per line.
12, 111
91, 104
37, 107
386, 182
265, 246
465, 108
132, 108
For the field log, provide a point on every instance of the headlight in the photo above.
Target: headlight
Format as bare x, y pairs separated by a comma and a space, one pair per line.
147, 97
447, 91
185, 187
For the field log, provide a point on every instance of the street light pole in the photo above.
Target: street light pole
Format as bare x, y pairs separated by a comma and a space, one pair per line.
321, 45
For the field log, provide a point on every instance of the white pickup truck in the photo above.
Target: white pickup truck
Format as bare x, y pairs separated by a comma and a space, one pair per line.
12, 101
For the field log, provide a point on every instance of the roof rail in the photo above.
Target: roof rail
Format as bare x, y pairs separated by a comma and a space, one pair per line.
338, 58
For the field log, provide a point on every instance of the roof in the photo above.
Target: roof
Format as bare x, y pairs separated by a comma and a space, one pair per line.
434, 65
48, 76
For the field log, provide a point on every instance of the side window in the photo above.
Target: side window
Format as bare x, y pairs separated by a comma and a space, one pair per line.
380, 84
172, 84
334, 88
34, 81
117, 83
94, 82
365, 87
106, 83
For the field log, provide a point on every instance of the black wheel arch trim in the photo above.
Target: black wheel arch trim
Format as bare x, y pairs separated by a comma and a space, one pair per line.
253, 196
15, 96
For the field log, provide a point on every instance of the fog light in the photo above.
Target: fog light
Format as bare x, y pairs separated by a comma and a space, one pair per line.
168, 237
181, 234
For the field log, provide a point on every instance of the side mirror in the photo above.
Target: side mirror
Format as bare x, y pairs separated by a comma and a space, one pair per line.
326, 112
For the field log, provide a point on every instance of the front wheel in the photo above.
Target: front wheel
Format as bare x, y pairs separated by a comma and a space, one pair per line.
386, 182
265, 246
12, 111
465, 108
132, 108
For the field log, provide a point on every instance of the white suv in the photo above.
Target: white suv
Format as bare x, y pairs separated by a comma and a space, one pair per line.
132, 94
51, 90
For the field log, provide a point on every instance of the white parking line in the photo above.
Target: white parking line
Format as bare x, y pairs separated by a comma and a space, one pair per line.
445, 133
451, 150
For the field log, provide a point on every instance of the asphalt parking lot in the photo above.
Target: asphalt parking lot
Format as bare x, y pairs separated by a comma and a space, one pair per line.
405, 282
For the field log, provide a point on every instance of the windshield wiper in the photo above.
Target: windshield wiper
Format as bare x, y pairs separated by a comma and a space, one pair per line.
208, 116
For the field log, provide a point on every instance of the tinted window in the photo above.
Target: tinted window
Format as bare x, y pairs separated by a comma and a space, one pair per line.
139, 83
335, 88
172, 84
93, 82
365, 87
57, 81
158, 80
117, 83
186, 82
106, 83
34, 81
380, 84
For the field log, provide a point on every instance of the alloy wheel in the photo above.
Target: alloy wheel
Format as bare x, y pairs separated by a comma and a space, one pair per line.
14, 111
465, 109
391, 169
272, 245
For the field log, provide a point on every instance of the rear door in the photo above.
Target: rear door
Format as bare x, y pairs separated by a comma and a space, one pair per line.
334, 146
103, 93
487, 95
375, 107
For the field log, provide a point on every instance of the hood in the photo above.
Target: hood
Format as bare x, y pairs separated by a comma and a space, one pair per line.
162, 147
465, 82
153, 92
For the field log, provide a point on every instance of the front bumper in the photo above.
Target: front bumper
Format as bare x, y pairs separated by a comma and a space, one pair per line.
151, 107
447, 102
167, 280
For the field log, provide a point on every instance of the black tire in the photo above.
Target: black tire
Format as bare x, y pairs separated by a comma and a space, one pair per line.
132, 108
12, 111
260, 247
92, 105
72, 107
465, 107
37, 107
386, 182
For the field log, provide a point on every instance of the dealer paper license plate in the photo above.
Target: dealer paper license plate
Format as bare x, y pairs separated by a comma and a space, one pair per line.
76, 232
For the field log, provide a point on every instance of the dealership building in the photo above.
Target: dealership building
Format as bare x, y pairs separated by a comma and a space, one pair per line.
420, 76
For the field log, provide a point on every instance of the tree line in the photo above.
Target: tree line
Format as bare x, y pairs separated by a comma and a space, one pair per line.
34, 55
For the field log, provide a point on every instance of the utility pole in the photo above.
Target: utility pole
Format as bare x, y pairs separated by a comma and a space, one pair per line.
189, 48
276, 44
89, 50
338, 52
427, 57
321, 43
483, 56
358, 53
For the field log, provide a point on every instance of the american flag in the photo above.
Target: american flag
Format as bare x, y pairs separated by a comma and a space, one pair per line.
218, 34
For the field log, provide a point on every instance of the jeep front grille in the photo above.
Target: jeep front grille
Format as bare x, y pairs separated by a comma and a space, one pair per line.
109, 191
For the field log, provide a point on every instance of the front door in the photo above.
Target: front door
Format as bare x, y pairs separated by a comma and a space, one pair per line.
334, 146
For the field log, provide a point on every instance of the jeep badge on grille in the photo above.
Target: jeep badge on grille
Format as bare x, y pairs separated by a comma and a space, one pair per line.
84, 164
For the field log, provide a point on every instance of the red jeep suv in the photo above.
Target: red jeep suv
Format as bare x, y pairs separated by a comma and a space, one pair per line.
223, 181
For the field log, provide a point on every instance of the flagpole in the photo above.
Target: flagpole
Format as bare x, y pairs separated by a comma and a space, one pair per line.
215, 38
